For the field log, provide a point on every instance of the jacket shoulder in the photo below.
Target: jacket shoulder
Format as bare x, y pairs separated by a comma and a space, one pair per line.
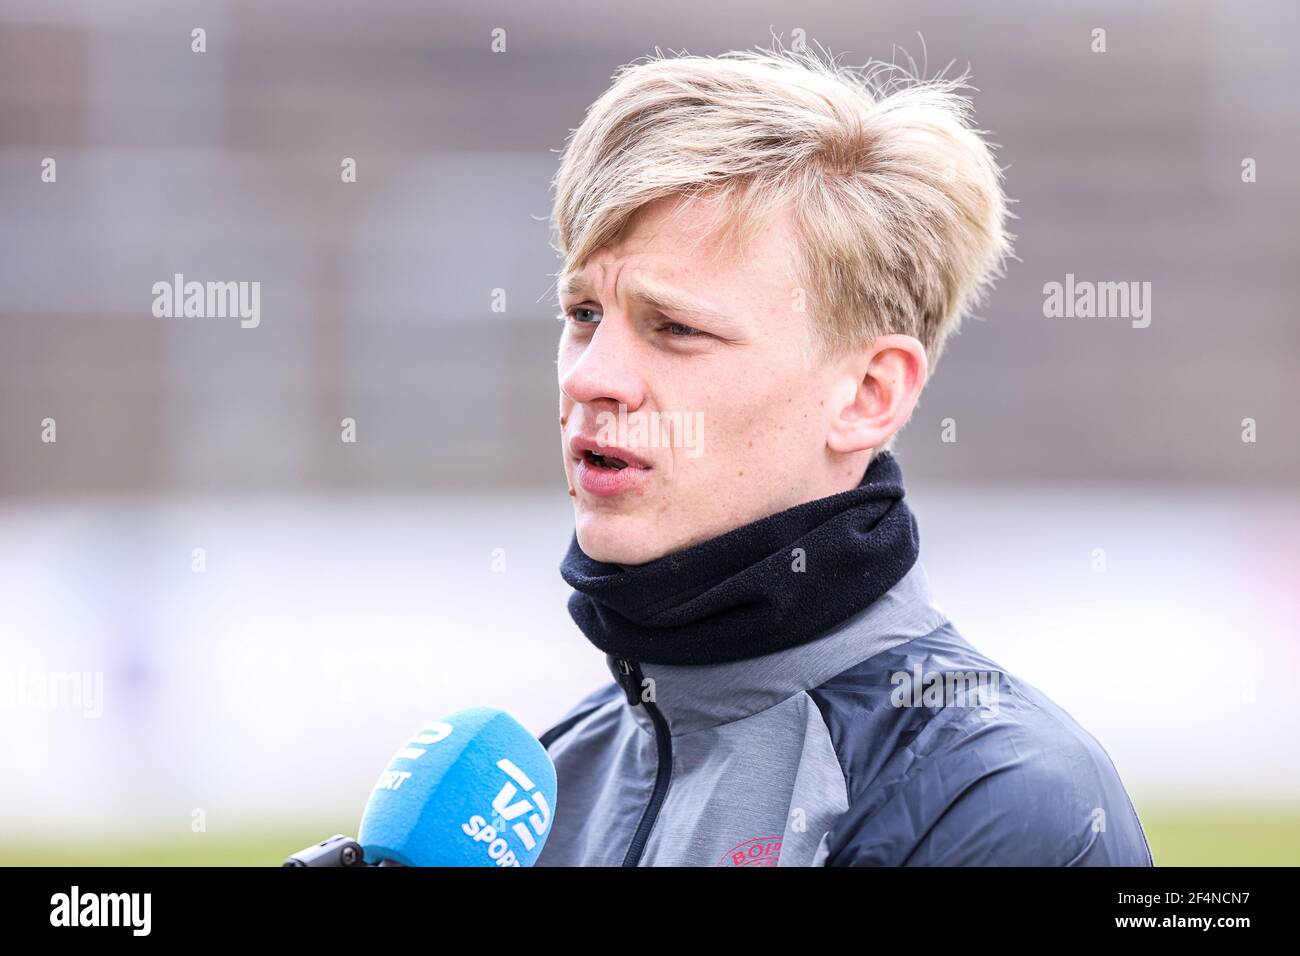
589, 704
950, 760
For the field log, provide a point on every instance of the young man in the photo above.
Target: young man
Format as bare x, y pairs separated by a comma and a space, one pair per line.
763, 256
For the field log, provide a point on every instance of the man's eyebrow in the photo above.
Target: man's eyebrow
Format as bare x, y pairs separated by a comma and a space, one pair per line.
663, 298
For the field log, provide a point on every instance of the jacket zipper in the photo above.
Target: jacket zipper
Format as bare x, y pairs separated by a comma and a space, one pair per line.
630, 677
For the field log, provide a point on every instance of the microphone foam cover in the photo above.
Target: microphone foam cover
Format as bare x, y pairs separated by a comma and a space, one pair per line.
473, 789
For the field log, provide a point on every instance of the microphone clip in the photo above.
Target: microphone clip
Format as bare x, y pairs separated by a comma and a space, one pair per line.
338, 850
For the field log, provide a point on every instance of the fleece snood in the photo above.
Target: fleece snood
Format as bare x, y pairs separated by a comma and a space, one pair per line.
766, 586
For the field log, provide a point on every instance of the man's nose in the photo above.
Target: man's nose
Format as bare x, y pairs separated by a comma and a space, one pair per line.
608, 368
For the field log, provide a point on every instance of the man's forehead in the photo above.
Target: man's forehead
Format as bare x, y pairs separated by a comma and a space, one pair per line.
687, 250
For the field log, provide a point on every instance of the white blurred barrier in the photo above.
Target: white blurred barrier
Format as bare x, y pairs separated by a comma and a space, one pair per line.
276, 682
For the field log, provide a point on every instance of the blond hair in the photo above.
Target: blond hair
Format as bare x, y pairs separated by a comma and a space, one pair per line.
897, 201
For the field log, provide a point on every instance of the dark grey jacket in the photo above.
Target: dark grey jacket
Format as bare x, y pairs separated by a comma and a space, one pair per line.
887, 741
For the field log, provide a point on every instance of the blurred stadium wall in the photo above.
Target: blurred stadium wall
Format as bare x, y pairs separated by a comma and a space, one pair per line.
351, 591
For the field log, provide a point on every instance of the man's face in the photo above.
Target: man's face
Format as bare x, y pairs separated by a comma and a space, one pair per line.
709, 341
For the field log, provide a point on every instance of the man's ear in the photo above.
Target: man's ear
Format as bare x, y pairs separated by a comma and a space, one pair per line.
889, 375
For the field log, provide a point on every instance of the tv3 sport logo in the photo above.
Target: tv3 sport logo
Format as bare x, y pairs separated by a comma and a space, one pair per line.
507, 811
498, 847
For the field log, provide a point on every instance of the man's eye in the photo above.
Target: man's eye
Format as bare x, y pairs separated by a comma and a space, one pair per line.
682, 331
583, 316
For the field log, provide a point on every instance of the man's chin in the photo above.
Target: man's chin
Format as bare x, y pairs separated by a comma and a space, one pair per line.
619, 539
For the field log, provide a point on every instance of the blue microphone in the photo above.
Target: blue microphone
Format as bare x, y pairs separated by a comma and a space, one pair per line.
473, 789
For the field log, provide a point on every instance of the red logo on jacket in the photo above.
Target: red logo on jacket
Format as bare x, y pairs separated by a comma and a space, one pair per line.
760, 851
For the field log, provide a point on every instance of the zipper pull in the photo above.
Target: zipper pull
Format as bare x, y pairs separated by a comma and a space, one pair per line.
629, 678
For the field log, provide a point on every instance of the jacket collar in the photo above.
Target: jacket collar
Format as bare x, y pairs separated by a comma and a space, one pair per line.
697, 697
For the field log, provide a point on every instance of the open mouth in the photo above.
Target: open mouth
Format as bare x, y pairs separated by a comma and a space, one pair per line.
605, 461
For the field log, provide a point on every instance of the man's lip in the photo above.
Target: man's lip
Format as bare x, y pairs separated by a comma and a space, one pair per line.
579, 445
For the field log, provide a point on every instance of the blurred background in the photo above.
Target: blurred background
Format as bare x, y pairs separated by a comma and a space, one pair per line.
350, 591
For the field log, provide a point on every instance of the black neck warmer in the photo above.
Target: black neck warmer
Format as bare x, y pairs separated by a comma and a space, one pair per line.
740, 594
